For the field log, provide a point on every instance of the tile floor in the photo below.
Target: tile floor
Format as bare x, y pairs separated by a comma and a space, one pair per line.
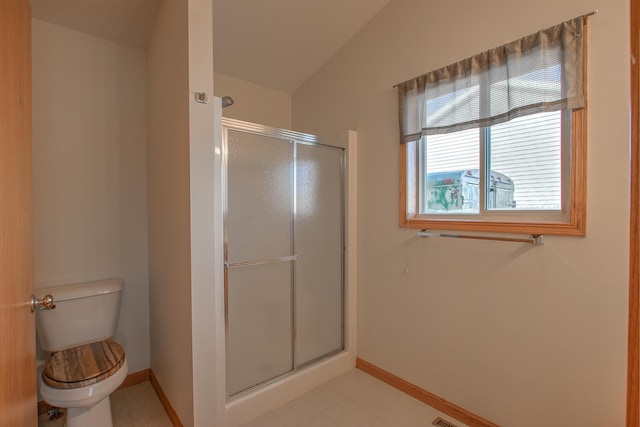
138, 406
354, 399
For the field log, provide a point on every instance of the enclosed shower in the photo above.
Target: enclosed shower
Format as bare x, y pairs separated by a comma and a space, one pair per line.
284, 254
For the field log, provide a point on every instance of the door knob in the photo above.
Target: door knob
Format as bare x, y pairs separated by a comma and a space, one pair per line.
45, 303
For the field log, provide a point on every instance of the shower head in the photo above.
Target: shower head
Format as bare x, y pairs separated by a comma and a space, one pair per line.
227, 101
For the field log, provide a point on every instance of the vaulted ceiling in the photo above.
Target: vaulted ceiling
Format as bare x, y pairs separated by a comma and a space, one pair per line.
273, 43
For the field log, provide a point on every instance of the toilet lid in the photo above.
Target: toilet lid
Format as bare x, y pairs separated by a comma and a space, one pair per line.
83, 365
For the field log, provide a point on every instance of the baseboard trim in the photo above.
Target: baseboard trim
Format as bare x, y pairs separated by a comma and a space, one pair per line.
173, 416
135, 378
444, 406
42, 407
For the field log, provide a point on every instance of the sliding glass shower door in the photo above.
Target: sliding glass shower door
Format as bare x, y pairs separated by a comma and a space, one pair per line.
284, 251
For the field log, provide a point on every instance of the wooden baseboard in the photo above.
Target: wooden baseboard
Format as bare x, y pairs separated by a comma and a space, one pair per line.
175, 420
135, 378
446, 407
42, 407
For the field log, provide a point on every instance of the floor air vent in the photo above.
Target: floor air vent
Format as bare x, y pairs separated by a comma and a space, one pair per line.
439, 422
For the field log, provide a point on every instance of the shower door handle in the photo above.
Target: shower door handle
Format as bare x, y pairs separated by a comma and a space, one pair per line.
260, 262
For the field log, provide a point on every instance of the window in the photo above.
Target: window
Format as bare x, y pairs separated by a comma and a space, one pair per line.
496, 142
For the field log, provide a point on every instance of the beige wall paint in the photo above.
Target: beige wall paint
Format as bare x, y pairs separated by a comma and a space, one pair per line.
89, 170
254, 103
524, 336
168, 200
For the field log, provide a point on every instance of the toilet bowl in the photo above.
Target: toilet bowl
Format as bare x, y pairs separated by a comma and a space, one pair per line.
87, 406
86, 366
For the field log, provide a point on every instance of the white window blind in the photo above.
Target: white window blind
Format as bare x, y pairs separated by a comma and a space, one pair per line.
528, 151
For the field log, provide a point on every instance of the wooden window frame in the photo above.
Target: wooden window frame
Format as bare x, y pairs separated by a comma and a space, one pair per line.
574, 225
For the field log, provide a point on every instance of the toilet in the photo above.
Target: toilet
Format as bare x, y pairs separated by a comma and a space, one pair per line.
86, 366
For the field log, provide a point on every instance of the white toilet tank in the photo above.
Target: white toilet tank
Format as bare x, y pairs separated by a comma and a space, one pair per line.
84, 313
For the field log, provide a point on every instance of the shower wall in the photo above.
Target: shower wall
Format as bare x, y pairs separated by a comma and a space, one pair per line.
284, 255
254, 103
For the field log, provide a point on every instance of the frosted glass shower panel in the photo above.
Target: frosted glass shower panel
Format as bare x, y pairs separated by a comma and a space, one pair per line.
319, 245
260, 325
259, 197
284, 251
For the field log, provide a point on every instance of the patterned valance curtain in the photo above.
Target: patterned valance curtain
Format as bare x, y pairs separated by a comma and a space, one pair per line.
539, 73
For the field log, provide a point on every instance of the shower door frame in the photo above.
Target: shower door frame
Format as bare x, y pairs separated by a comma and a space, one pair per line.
294, 138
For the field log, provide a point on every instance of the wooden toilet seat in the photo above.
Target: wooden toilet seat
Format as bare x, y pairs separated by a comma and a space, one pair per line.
83, 365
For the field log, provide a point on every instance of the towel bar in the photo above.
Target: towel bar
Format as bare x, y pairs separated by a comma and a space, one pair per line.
535, 239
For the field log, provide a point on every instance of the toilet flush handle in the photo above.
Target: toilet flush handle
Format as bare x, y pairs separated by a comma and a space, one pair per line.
45, 303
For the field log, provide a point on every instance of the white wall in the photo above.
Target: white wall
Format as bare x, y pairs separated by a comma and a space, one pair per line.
169, 205
89, 171
207, 273
523, 336
187, 357
254, 103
